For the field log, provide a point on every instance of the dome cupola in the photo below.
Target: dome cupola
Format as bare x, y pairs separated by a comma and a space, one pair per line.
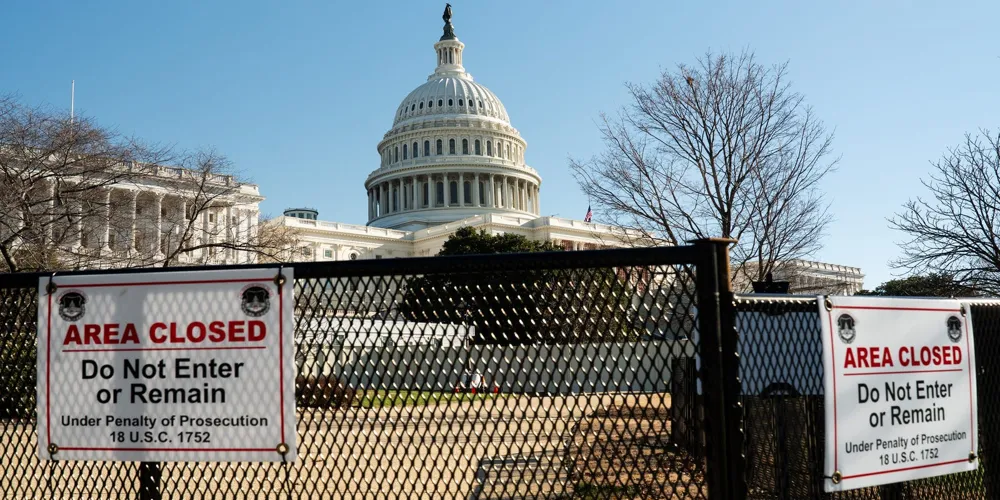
451, 152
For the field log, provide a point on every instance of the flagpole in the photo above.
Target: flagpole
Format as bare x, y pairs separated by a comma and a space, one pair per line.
72, 99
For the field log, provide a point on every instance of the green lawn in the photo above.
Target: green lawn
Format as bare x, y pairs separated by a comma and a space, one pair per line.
383, 398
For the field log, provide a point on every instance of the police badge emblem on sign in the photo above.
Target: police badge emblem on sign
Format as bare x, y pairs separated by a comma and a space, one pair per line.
900, 390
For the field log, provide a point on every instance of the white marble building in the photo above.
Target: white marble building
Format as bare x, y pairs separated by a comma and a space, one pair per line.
142, 218
451, 159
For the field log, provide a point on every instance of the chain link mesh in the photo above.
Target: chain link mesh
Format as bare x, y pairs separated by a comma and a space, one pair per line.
782, 395
498, 381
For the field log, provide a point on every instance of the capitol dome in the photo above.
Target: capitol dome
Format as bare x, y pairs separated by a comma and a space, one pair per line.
451, 153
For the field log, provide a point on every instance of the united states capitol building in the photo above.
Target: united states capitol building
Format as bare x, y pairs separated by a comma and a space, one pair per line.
453, 159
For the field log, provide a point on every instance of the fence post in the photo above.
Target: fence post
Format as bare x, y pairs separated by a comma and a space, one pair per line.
149, 481
720, 369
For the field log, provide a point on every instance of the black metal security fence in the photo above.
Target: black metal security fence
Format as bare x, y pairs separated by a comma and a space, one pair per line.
782, 395
595, 374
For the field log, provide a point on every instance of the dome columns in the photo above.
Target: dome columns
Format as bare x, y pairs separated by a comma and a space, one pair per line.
451, 190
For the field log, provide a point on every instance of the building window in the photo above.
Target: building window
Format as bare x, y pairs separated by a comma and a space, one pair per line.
404, 151
211, 217
460, 102
507, 150
421, 105
395, 154
479, 150
465, 146
499, 150
439, 149
426, 193
451, 146
328, 253
305, 251
377, 257
395, 200
354, 256
415, 149
450, 102
439, 195
489, 148
467, 192
427, 148
441, 102
453, 192
482, 193
413, 107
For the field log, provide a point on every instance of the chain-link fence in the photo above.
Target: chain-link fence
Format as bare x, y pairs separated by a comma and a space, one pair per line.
564, 375
781, 373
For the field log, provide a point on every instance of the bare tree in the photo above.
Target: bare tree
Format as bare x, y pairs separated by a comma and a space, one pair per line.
956, 231
76, 195
54, 173
721, 149
213, 218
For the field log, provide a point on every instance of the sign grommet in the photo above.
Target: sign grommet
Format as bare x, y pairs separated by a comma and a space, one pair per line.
53, 448
836, 477
972, 456
282, 448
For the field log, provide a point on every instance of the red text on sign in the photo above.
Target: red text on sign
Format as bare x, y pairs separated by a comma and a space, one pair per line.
909, 356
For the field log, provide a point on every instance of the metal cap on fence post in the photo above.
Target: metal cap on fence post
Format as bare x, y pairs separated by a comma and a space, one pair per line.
730, 411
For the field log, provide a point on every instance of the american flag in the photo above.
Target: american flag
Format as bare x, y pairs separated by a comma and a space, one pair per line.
589, 215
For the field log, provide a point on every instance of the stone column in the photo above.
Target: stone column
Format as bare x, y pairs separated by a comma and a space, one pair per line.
475, 190
505, 191
413, 192
447, 190
106, 230
157, 223
461, 189
132, 208
386, 208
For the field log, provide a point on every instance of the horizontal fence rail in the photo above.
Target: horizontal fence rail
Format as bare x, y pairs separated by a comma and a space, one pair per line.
562, 375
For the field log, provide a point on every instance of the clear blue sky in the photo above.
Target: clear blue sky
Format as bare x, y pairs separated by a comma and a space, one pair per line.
298, 94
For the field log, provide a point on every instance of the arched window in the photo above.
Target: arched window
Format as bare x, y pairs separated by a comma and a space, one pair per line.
395, 155
453, 192
426, 194
480, 104
507, 150
460, 102
415, 149
499, 150
489, 148
450, 102
441, 102
439, 151
465, 146
395, 200
427, 148
482, 193
451, 146
467, 192
421, 105
413, 107
404, 151
439, 195
479, 149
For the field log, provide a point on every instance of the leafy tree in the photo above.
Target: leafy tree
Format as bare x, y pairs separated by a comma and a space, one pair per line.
522, 306
929, 285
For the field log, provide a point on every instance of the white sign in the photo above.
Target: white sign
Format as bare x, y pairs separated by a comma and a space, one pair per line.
169, 366
900, 390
